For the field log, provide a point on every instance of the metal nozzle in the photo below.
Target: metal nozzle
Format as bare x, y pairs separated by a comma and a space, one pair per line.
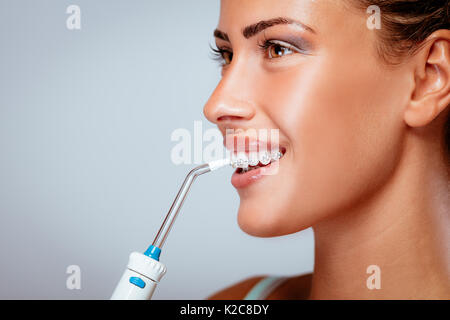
177, 203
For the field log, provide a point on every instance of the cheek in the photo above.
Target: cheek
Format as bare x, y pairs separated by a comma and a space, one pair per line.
344, 124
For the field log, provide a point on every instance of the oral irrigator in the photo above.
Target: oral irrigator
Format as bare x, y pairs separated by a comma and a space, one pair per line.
144, 270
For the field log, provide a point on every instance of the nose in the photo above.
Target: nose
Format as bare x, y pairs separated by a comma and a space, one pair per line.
231, 104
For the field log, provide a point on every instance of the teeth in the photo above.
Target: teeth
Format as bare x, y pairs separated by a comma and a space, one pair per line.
276, 155
246, 163
233, 161
253, 159
242, 161
264, 157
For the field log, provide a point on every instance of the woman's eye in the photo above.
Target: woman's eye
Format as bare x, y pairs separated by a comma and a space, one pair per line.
222, 55
271, 49
227, 56
277, 51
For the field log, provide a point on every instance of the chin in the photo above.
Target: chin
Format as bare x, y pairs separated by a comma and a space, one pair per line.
262, 220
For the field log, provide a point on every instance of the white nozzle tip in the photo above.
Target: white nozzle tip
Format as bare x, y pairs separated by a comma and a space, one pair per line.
217, 164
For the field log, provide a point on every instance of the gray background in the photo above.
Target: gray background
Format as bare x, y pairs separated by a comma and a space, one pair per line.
85, 170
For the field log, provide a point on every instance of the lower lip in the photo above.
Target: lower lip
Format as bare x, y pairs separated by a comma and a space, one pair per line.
243, 180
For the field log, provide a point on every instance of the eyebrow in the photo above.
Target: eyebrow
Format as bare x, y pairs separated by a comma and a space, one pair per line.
255, 28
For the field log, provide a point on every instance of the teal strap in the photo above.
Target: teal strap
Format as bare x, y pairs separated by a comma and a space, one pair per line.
264, 287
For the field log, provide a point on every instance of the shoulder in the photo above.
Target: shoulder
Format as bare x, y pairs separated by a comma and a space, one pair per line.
296, 287
236, 291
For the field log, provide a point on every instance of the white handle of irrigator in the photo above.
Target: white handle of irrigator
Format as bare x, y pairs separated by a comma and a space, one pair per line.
139, 280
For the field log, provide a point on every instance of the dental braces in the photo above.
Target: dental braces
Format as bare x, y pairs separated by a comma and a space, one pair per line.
244, 162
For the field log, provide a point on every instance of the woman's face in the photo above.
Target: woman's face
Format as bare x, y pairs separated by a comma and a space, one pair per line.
319, 81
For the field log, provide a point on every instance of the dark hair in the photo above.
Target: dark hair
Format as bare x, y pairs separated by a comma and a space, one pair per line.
406, 24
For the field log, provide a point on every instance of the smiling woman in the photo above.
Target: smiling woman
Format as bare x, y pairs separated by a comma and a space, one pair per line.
360, 114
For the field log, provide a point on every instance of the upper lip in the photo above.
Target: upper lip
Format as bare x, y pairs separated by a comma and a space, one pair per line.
249, 144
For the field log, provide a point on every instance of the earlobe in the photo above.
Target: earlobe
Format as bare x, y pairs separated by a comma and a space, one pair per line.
431, 95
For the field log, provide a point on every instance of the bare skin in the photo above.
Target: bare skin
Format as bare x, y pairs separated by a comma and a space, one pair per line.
295, 288
364, 164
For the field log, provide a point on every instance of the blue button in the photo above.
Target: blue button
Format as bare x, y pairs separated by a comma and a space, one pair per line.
137, 282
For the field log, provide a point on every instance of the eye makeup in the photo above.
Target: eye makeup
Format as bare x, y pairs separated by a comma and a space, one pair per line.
267, 47
295, 42
224, 55
273, 42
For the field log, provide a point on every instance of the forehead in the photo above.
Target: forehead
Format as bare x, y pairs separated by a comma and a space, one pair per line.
233, 12
324, 16
337, 25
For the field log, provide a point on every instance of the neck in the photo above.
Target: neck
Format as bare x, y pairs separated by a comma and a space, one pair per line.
403, 229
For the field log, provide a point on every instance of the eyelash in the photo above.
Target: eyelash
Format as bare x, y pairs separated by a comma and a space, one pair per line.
218, 53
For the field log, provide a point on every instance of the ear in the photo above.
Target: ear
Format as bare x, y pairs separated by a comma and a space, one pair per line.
431, 94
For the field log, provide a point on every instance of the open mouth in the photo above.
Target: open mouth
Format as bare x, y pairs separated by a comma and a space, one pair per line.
244, 162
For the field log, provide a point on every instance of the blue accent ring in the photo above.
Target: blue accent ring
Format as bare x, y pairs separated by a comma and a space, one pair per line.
153, 252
